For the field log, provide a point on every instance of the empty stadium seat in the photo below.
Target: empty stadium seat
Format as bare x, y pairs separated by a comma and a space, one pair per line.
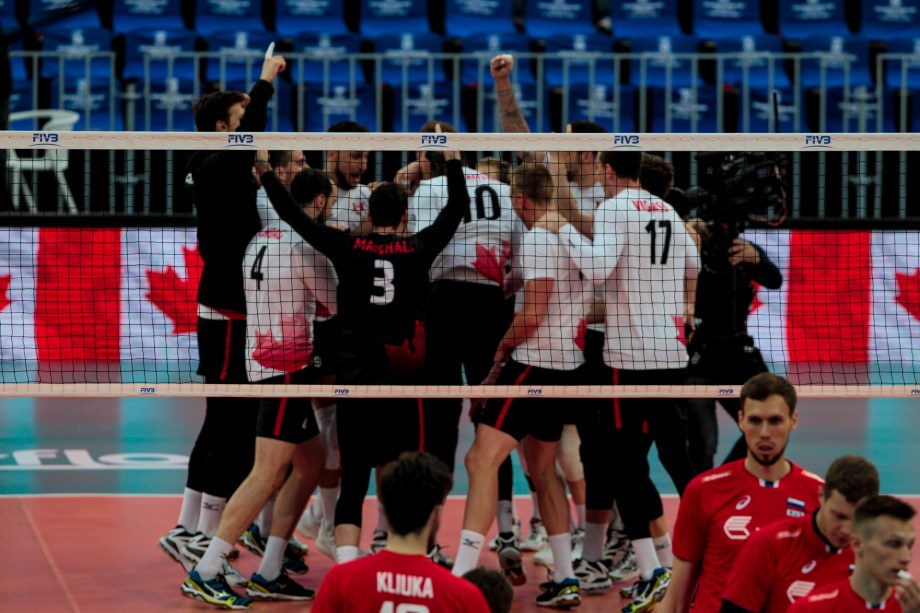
72, 47
856, 112
631, 19
130, 15
241, 55
95, 100
534, 107
326, 49
62, 14
487, 46
802, 18
166, 106
906, 70
846, 62
463, 18
715, 19
544, 19
758, 113
213, 16
296, 17
605, 104
688, 111
754, 69
382, 18
576, 65
658, 66
341, 103
887, 19
409, 57
159, 46
421, 102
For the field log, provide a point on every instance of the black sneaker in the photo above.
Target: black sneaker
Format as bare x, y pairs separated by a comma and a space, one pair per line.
280, 588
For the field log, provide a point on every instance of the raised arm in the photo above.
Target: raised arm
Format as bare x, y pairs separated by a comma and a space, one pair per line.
328, 240
436, 236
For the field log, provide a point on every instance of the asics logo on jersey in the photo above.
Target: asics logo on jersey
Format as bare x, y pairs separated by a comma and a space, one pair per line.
799, 589
743, 502
471, 543
809, 567
736, 527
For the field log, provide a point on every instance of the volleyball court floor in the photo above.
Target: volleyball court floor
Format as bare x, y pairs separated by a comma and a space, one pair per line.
88, 485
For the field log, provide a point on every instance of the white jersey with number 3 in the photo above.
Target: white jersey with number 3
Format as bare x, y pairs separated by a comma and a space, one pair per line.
487, 237
643, 255
284, 278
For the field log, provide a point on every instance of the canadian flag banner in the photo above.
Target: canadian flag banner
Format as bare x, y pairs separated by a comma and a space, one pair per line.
125, 298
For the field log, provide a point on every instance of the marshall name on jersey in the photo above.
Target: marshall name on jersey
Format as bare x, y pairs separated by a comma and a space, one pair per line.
722, 508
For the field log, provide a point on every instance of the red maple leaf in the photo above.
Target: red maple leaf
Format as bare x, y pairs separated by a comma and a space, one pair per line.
292, 353
756, 303
681, 331
4, 287
490, 264
908, 295
580, 335
175, 297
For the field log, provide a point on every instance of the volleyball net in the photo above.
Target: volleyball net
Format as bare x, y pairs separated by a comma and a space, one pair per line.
99, 260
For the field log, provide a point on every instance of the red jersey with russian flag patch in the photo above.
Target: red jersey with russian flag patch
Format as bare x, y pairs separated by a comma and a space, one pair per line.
784, 562
840, 598
722, 508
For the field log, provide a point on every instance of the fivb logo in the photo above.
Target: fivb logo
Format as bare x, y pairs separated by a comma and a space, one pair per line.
626, 141
434, 141
240, 140
817, 141
45, 139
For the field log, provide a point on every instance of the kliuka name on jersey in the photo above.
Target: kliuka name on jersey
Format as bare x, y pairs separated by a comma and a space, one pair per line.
404, 585
651, 206
387, 248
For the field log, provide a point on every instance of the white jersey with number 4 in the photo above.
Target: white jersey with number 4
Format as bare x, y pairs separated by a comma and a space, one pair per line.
284, 278
487, 237
643, 255
558, 342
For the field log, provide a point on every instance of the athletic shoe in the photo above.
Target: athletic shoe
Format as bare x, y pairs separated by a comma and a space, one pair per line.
509, 558
649, 593
173, 543
234, 554
325, 540
253, 540
537, 538
195, 547
309, 522
281, 588
378, 541
515, 528
214, 591
561, 595
544, 557
232, 575
299, 546
620, 559
293, 561
578, 543
592, 575
440, 558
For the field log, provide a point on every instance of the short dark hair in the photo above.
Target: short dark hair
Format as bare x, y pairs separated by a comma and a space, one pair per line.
853, 476
533, 180
583, 126
764, 385
308, 184
494, 586
874, 507
410, 488
279, 157
429, 126
214, 107
387, 204
656, 175
347, 126
627, 164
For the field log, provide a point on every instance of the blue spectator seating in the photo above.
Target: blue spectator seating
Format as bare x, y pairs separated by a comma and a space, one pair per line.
381, 17
715, 19
464, 18
296, 17
220, 16
546, 18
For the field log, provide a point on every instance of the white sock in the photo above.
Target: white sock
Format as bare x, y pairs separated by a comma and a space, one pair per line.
561, 544
581, 512
273, 558
505, 515
191, 508
648, 559
616, 521
264, 519
382, 523
663, 549
211, 509
328, 497
595, 535
346, 553
213, 559
535, 514
468, 552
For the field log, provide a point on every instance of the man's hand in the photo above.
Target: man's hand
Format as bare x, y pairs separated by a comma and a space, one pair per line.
501, 67
271, 67
409, 177
260, 166
907, 591
743, 252
448, 155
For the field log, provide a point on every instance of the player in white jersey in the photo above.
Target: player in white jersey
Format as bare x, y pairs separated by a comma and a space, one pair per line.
540, 348
345, 169
647, 262
284, 280
286, 165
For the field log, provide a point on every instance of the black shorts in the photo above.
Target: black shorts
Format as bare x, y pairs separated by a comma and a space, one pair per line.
541, 418
288, 418
326, 335
222, 350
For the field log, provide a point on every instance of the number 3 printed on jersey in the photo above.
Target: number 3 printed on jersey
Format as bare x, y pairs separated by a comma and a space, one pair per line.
383, 278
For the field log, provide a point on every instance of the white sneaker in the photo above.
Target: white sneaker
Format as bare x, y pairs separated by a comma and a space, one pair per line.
515, 529
173, 542
544, 557
537, 539
309, 522
578, 543
232, 575
620, 558
592, 576
325, 540
378, 541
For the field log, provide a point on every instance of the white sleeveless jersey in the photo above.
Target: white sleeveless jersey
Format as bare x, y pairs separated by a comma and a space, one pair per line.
488, 236
558, 342
588, 199
643, 254
284, 278
351, 206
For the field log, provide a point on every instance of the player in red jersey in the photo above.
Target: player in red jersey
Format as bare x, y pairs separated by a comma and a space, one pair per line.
400, 577
789, 559
883, 537
722, 507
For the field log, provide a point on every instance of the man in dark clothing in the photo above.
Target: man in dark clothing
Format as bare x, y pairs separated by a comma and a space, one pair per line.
383, 281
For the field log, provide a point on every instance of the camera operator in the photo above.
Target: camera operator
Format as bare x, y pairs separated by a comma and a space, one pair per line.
721, 350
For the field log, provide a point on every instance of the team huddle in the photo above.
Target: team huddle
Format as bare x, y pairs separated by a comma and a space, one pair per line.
567, 269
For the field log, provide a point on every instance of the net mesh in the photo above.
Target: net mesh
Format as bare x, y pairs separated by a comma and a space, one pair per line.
100, 262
